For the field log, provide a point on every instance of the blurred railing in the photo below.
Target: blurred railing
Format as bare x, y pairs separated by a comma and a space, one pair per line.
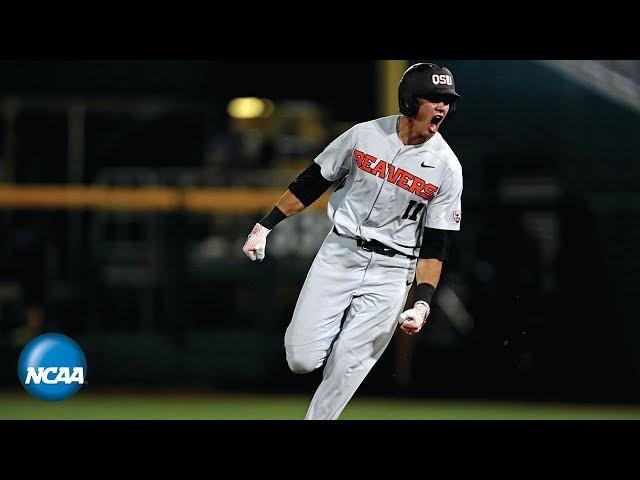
145, 198
617, 79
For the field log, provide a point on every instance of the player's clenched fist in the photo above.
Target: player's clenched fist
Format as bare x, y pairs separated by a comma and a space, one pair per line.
256, 243
412, 320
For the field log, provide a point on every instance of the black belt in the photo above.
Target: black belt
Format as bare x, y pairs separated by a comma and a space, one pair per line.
374, 246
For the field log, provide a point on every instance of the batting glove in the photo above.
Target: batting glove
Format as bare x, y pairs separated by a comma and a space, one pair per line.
256, 243
412, 320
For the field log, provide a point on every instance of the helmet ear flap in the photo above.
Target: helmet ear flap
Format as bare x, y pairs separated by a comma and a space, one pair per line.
409, 105
414, 106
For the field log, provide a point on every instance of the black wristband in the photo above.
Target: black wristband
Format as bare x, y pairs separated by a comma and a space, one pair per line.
424, 292
274, 217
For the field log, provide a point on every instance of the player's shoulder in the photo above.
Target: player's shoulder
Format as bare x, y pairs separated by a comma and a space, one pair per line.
372, 128
381, 125
441, 149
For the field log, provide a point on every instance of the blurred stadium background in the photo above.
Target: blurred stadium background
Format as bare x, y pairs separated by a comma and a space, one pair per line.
128, 188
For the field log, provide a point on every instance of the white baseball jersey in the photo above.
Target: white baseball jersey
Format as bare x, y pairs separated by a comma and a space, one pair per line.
349, 305
391, 191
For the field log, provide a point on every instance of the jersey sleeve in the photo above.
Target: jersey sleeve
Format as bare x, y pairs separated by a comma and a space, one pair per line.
445, 210
336, 159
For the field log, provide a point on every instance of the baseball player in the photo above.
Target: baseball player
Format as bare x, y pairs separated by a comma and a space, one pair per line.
397, 196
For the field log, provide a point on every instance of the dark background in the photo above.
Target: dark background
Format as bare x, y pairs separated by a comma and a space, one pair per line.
544, 272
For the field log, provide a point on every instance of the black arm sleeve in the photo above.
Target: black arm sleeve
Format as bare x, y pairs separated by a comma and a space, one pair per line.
435, 244
309, 185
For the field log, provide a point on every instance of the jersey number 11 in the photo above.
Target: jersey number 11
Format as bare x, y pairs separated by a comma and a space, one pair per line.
416, 211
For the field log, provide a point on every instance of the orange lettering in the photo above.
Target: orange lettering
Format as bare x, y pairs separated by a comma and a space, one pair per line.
359, 157
366, 164
380, 170
417, 185
404, 179
394, 173
428, 191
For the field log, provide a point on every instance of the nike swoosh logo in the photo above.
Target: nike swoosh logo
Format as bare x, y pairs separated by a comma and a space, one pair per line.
427, 166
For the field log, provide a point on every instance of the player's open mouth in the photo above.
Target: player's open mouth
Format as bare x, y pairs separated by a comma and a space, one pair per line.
435, 121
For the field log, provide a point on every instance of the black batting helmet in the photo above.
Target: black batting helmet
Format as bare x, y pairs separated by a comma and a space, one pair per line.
424, 80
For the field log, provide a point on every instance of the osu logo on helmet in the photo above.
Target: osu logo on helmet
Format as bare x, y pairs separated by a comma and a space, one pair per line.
442, 79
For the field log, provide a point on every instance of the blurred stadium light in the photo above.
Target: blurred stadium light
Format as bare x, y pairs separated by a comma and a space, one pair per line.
250, 107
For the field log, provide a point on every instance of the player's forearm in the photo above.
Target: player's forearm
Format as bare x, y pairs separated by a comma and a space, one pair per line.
289, 204
305, 189
428, 270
